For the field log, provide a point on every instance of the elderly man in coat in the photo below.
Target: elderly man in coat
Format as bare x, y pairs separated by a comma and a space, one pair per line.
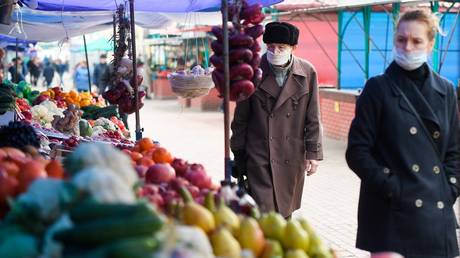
276, 132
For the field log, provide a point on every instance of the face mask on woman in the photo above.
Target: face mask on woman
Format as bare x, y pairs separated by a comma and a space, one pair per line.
280, 58
409, 60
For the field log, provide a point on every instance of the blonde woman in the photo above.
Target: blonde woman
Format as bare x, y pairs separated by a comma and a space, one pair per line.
403, 145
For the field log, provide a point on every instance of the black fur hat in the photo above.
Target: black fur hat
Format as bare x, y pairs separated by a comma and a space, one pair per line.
282, 33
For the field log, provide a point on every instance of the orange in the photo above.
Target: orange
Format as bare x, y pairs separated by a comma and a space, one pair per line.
136, 156
162, 155
146, 144
146, 161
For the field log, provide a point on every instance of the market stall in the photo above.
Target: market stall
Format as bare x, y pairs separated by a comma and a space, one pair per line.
68, 165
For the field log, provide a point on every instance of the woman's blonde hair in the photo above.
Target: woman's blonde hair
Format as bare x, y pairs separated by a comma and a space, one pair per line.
425, 16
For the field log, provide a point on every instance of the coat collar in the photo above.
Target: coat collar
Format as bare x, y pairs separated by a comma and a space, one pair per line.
428, 101
394, 72
293, 83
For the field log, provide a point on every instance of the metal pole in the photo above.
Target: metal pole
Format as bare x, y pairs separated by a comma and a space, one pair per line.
367, 24
226, 90
87, 63
133, 51
114, 34
16, 74
339, 52
435, 9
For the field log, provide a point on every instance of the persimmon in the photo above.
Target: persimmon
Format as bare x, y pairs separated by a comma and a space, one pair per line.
54, 169
162, 155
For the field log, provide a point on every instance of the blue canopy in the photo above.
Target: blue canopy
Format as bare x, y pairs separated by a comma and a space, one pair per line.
139, 5
7, 41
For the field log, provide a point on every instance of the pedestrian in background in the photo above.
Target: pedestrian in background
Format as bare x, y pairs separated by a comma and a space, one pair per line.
403, 145
98, 72
276, 131
48, 73
35, 69
16, 75
80, 77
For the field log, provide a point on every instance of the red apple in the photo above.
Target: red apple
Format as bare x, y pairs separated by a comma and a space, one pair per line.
8, 187
160, 173
157, 200
194, 191
180, 166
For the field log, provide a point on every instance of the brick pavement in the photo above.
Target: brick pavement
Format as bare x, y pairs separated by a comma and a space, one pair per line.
330, 197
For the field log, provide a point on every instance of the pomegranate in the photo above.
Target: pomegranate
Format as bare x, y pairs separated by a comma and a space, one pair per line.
198, 177
29, 172
180, 166
178, 182
8, 187
160, 173
141, 170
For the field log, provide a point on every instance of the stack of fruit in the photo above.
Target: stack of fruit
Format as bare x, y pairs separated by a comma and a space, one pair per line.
244, 58
63, 99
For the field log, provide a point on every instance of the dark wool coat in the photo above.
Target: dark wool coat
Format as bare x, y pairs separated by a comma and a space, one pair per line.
407, 187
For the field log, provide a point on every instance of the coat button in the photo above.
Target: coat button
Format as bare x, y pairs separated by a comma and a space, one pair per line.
418, 203
415, 168
440, 205
413, 130
286, 161
436, 135
436, 170
288, 114
453, 180
271, 138
386, 170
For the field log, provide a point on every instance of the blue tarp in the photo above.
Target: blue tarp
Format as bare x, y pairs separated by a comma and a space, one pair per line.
139, 5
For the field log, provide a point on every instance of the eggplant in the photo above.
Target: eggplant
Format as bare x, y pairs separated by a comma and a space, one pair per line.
217, 32
241, 40
257, 76
254, 31
251, 11
241, 71
255, 62
240, 54
256, 47
218, 79
217, 47
241, 90
217, 61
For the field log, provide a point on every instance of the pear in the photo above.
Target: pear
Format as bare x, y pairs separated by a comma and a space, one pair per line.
306, 226
224, 216
251, 236
296, 253
272, 249
194, 214
273, 225
317, 248
224, 244
295, 237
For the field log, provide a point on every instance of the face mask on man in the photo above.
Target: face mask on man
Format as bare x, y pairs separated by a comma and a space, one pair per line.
409, 60
280, 58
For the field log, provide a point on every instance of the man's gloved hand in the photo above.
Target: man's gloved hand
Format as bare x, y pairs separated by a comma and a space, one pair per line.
239, 164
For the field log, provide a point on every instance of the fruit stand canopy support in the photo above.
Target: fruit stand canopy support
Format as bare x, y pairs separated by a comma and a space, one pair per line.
139, 5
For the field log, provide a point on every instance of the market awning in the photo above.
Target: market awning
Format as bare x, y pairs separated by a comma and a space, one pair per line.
52, 26
139, 5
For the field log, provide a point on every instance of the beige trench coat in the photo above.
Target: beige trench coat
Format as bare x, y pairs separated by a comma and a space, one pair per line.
279, 128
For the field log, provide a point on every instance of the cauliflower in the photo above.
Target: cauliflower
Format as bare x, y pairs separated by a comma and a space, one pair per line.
45, 112
98, 130
104, 186
106, 124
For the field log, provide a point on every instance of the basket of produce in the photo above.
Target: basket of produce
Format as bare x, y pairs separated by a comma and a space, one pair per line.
191, 84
